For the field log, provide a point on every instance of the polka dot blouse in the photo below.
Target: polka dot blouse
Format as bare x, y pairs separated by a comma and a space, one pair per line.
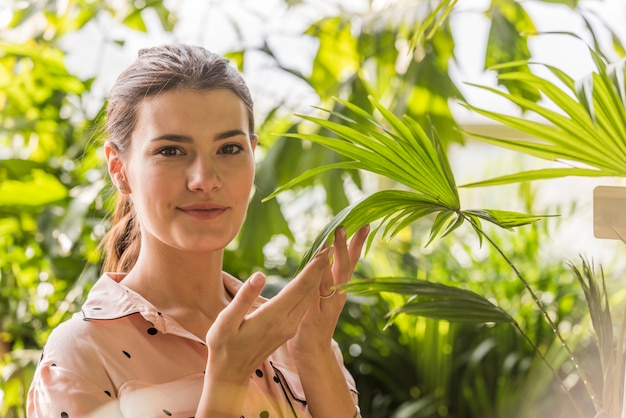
121, 357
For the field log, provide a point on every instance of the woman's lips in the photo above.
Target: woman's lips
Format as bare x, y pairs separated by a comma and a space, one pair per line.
203, 212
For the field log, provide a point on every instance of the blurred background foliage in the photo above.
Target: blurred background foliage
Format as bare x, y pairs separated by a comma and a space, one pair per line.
55, 196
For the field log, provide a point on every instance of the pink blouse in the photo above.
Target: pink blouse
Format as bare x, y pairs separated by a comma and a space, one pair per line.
121, 357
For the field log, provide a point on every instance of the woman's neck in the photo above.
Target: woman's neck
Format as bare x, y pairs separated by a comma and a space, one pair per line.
185, 285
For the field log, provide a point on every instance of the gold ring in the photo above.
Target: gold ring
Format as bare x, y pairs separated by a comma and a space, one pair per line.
329, 295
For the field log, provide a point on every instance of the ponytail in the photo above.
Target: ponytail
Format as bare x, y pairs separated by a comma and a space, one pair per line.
123, 240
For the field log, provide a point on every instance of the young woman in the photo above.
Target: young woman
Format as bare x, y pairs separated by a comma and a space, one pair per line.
165, 332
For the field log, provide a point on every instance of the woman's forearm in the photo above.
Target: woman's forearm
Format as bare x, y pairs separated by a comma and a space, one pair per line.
221, 399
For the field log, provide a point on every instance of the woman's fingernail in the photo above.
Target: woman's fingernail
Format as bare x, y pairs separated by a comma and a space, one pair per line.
257, 280
340, 232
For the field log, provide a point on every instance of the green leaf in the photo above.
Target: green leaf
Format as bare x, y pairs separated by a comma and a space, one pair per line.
378, 206
336, 55
504, 219
510, 24
392, 147
541, 174
17, 168
42, 189
588, 125
135, 21
454, 311
442, 219
433, 300
348, 165
435, 19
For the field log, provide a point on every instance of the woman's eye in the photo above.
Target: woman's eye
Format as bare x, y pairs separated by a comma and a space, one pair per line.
231, 149
169, 151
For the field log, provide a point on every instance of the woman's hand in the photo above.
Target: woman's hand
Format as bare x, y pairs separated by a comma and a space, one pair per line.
315, 333
242, 338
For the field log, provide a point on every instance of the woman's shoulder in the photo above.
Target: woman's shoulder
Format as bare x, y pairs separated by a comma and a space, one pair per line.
82, 341
74, 341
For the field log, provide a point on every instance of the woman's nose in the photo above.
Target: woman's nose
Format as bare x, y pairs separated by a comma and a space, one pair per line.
203, 176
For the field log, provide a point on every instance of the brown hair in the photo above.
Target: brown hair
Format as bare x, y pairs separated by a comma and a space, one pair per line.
155, 71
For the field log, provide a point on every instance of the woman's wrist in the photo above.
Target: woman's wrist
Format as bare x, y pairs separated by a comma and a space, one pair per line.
312, 353
221, 397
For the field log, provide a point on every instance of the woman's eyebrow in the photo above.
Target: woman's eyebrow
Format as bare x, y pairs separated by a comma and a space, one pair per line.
173, 138
230, 134
184, 138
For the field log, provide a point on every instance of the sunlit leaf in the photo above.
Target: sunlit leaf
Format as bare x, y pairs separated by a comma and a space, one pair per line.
16, 168
454, 311
336, 55
433, 300
428, 26
392, 147
510, 24
588, 125
134, 20
532, 175
349, 165
43, 189
504, 219
378, 206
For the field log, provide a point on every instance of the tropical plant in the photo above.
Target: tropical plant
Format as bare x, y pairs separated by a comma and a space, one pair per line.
590, 132
585, 125
466, 369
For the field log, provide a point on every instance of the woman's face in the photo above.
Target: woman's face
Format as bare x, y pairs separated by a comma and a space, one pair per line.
190, 168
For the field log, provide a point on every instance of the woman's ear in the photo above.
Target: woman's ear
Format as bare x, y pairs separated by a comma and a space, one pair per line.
115, 166
254, 139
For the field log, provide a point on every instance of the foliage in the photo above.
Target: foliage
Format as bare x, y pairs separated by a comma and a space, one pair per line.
483, 369
52, 188
589, 130
610, 349
401, 151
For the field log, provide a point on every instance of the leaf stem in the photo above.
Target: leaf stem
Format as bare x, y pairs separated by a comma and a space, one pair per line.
581, 373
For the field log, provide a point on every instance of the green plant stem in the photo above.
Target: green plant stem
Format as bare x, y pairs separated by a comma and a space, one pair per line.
545, 360
581, 373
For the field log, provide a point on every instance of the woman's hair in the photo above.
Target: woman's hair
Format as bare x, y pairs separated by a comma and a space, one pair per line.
157, 70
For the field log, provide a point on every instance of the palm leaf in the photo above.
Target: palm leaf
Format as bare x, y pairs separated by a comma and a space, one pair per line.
589, 126
536, 175
406, 206
504, 219
346, 165
433, 300
432, 22
399, 149
612, 360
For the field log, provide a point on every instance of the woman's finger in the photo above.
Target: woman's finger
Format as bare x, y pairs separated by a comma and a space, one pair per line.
295, 298
249, 292
341, 262
347, 255
356, 244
